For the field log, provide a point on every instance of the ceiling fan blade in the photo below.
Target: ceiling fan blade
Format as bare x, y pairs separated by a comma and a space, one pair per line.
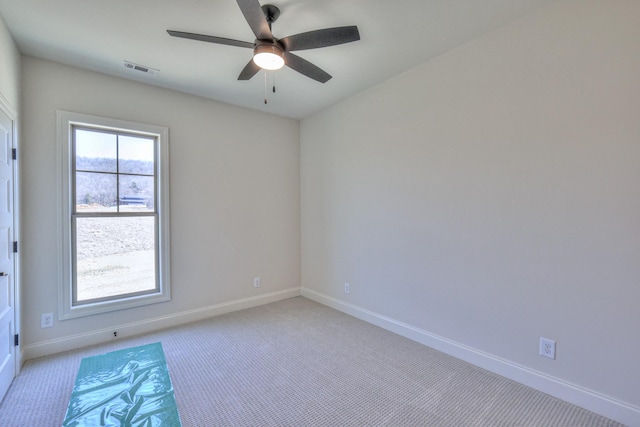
249, 70
210, 39
305, 67
254, 15
321, 38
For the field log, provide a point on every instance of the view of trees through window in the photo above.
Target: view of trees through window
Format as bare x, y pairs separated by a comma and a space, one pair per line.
114, 219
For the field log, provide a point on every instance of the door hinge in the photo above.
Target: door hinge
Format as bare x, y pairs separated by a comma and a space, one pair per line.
14, 153
16, 340
15, 247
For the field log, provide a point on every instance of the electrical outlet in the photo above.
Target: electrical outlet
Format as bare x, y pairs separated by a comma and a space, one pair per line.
346, 288
46, 320
547, 348
256, 282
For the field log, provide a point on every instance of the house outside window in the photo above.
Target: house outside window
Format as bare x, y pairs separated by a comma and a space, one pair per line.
115, 214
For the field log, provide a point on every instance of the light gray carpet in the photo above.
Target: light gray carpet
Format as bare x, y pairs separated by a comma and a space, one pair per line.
298, 363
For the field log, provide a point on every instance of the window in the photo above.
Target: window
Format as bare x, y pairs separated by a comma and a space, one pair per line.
115, 214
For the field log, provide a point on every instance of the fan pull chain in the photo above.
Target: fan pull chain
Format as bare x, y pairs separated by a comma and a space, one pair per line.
265, 88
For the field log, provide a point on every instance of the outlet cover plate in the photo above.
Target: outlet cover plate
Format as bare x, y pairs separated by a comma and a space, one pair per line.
46, 320
547, 348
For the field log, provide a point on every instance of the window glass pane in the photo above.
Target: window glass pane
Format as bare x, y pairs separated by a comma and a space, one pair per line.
115, 256
95, 192
136, 155
136, 193
95, 151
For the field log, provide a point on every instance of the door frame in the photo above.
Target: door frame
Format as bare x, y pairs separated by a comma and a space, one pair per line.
11, 112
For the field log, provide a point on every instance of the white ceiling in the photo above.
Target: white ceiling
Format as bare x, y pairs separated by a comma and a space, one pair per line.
395, 36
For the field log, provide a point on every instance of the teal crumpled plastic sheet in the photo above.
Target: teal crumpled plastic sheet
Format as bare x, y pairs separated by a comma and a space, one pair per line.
129, 387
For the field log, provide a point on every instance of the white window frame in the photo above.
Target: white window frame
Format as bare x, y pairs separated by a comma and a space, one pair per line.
66, 121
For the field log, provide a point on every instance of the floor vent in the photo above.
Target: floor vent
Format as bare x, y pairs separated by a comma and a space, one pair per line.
141, 68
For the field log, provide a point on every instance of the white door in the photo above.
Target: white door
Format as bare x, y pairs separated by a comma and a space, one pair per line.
7, 256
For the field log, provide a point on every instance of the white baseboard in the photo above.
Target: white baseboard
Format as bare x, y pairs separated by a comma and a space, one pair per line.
577, 395
46, 348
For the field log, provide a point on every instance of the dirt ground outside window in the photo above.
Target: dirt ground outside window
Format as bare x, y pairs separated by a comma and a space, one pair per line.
115, 256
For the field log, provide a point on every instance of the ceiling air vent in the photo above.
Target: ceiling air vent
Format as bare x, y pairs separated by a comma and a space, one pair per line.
141, 68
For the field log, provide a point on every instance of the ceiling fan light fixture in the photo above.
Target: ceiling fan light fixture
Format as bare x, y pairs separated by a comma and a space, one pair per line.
268, 57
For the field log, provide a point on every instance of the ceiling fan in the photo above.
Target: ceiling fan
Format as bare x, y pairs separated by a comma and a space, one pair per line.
271, 53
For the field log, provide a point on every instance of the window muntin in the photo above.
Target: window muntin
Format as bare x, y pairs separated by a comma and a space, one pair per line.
115, 210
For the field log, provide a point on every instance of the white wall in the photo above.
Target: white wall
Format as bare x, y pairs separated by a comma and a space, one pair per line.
235, 202
9, 68
491, 197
